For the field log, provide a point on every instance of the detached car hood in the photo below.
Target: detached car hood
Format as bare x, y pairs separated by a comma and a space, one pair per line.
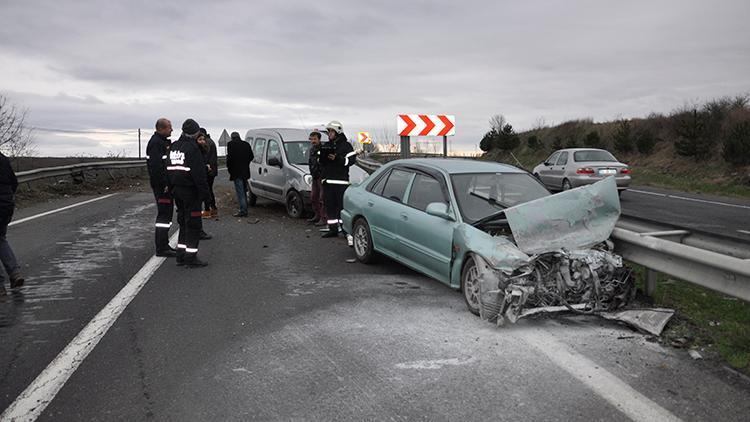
572, 220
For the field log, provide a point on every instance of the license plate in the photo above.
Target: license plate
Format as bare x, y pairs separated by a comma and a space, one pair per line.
607, 171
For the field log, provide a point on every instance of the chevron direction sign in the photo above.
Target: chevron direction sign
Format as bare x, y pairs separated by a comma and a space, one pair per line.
426, 125
364, 138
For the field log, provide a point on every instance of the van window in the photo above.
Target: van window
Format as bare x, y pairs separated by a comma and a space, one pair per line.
563, 159
273, 150
395, 187
258, 147
552, 158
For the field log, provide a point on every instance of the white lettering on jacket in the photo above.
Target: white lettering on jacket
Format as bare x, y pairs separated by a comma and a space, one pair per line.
177, 157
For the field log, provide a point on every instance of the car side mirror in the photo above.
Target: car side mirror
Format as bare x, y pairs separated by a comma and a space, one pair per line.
439, 209
546, 163
274, 161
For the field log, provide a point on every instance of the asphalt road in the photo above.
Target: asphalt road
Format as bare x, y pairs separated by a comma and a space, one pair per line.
281, 327
707, 213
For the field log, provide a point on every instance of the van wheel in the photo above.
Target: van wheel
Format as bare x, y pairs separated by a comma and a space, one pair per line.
470, 285
295, 207
566, 185
363, 246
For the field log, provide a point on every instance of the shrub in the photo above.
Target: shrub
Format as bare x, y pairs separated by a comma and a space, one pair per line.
692, 129
592, 140
557, 143
572, 143
534, 143
736, 149
623, 136
645, 141
488, 140
507, 139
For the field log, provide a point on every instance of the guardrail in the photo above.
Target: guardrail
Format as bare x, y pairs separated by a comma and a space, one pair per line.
710, 261
74, 170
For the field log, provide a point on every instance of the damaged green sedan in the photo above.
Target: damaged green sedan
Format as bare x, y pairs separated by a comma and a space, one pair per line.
494, 232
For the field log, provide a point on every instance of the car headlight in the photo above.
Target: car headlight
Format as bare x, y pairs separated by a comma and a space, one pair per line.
308, 179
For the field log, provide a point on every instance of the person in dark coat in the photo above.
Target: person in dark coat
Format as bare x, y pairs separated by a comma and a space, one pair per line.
157, 153
8, 187
337, 155
187, 178
239, 156
212, 159
316, 189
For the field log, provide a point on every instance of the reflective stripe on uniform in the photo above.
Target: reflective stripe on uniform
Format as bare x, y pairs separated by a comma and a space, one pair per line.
183, 168
191, 250
148, 157
195, 213
181, 246
163, 157
335, 182
333, 221
163, 225
348, 156
164, 201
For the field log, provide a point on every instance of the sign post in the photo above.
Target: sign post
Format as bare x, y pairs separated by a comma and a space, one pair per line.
424, 125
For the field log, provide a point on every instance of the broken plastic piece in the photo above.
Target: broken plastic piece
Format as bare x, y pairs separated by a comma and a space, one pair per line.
651, 321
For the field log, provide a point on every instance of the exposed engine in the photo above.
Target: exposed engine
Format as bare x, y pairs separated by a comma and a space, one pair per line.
589, 281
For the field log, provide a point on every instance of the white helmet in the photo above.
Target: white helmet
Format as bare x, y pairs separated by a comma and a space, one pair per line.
335, 125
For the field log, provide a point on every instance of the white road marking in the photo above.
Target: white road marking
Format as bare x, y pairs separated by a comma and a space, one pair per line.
743, 231
622, 396
35, 398
434, 364
78, 204
684, 198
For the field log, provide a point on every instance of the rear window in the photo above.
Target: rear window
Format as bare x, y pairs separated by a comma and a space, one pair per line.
592, 155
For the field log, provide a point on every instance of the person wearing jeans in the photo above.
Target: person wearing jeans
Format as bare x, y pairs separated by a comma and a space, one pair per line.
8, 186
239, 156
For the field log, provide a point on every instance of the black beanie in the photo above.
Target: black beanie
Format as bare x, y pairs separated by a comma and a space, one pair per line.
190, 127
235, 135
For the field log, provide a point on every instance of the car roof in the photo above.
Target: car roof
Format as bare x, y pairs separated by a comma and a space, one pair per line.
458, 166
286, 134
581, 149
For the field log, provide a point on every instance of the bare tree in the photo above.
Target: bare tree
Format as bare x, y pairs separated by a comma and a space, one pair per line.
16, 138
386, 139
497, 122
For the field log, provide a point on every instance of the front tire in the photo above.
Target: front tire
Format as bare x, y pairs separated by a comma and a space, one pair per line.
295, 207
470, 285
363, 247
566, 185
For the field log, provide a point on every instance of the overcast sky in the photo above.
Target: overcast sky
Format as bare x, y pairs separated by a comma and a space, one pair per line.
118, 65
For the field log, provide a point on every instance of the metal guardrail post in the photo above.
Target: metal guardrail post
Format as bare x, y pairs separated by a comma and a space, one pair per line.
651, 277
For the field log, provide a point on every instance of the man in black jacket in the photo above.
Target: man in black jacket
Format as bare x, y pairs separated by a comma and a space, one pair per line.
8, 187
239, 156
337, 155
157, 153
316, 189
187, 177
212, 160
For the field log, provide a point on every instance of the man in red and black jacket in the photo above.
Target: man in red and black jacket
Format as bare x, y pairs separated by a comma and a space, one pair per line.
188, 183
157, 153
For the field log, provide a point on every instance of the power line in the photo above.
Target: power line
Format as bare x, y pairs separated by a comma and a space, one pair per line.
94, 132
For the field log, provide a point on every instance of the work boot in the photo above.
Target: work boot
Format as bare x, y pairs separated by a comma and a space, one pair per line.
205, 236
16, 280
239, 214
180, 257
194, 262
333, 231
206, 214
166, 253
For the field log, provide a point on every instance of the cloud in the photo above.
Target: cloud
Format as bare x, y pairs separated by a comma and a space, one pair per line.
238, 65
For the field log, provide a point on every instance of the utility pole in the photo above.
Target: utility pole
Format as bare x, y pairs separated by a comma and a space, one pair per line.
139, 143
445, 147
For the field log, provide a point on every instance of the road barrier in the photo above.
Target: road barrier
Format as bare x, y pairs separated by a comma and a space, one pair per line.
712, 261
77, 170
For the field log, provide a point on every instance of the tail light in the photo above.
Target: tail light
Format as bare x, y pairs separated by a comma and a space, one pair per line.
585, 170
625, 170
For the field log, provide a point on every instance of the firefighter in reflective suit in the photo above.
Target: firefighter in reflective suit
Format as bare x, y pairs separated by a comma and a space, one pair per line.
188, 183
156, 159
336, 156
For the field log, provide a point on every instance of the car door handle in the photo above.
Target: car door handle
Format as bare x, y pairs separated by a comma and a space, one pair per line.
260, 170
265, 171
370, 204
404, 216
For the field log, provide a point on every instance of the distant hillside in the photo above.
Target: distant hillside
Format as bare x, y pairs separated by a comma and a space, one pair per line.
702, 148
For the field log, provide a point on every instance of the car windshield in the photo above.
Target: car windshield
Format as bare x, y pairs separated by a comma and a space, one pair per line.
593, 155
482, 194
296, 152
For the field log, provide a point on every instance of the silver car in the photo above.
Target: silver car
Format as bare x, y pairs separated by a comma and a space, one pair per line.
280, 171
574, 167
